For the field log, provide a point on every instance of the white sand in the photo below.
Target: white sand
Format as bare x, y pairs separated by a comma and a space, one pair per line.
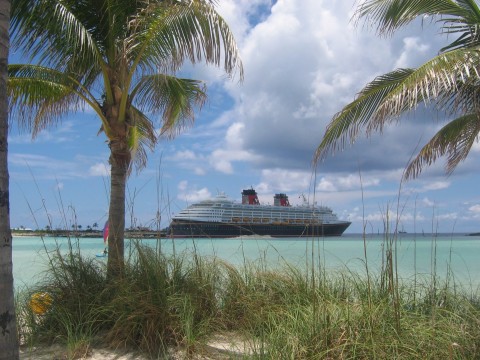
57, 352
221, 347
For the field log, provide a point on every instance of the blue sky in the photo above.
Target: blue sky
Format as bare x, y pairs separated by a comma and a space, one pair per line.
303, 62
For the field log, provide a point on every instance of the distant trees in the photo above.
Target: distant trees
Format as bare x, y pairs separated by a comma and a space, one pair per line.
449, 82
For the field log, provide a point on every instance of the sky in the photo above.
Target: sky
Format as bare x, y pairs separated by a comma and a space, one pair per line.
303, 61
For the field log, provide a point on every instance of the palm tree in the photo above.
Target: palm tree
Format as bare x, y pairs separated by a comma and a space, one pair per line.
120, 59
8, 329
449, 82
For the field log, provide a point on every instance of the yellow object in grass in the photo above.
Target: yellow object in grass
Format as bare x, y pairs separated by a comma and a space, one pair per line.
40, 302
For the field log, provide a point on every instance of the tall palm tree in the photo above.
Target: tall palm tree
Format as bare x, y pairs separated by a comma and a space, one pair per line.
449, 82
8, 330
120, 59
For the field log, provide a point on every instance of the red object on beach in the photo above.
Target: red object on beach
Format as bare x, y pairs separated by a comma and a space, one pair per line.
105, 233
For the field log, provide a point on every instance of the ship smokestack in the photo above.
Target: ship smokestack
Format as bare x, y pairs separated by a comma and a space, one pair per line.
281, 200
250, 197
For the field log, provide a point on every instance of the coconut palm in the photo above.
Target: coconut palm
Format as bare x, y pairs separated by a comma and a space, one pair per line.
449, 82
8, 330
120, 59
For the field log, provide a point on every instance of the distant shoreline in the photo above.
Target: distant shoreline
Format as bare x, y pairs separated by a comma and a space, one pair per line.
157, 234
133, 234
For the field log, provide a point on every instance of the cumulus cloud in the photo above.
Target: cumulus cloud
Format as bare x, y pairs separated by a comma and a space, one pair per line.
413, 46
185, 155
45, 166
99, 169
427, 202
347, 182
62, 133
436, 185
475, 209
191, 194
304, 61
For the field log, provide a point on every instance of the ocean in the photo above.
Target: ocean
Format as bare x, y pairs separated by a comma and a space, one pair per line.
452, 255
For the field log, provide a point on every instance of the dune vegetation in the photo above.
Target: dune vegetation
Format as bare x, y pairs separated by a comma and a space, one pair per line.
182, 301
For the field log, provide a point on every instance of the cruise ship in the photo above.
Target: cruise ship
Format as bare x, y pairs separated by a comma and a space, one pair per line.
223, 218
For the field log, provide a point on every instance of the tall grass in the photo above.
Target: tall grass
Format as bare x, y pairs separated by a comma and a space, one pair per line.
182, 300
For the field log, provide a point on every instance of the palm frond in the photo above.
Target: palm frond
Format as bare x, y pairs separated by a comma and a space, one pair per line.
388, 96
54, 35
454, 140
347, 123
390, 15
457, 17
40, 97
172, 33
438, 80
174, 97
142, 136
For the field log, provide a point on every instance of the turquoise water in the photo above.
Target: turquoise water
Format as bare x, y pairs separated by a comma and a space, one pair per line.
423, 255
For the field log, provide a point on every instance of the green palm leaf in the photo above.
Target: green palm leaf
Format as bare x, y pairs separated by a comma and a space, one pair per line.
388, 96
390, 15
40, 96
172, 34
55, 35
347, 123
142, 136
450, 82
176, 98
454, 140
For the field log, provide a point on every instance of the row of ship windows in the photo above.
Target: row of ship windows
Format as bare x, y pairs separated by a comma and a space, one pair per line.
230, 207
254, 214
279, 221
274, 221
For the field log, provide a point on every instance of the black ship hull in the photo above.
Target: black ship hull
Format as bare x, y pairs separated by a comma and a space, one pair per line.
225, 230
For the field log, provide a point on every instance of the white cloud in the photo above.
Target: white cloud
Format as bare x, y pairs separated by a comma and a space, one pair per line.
99, 169
282, 180
182, 185
447, 216
199, 171
413, 46
427, 202
475, 209
436, 185
221, 160
184, 155
347, 182
191, 194
62, 133
303, 62
220, 163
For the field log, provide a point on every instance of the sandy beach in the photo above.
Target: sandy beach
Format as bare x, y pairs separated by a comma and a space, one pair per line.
57, 352
220, 347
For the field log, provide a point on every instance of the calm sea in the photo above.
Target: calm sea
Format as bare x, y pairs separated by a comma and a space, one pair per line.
423, 255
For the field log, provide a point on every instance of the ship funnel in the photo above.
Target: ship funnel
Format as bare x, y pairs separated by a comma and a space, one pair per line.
281, 200
250, 197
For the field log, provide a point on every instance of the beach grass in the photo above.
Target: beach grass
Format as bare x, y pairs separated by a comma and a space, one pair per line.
184, 300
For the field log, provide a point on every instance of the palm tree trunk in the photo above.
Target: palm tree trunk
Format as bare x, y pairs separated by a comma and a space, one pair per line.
8, 328
119, 161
